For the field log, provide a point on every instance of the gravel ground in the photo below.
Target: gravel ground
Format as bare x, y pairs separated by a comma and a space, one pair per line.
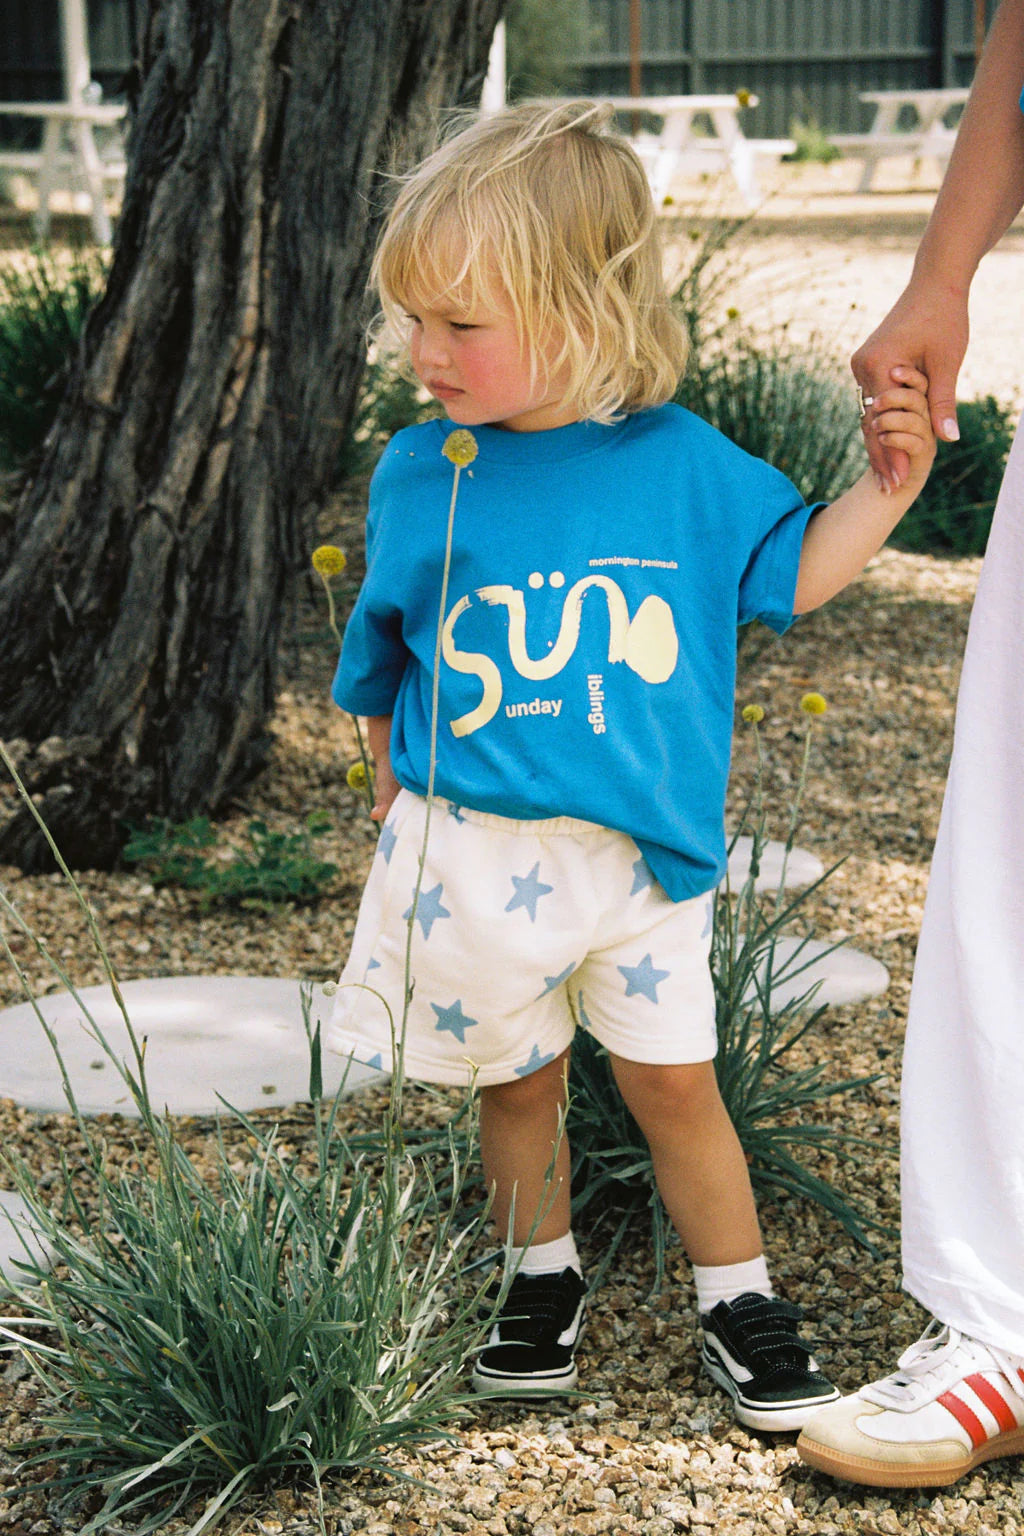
652, 1448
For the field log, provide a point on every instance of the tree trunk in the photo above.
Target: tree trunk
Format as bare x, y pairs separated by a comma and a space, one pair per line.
145, 566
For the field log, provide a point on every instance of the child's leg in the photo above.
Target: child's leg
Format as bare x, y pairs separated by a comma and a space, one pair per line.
749, 1342
518, 1127
698, 1161
532, 1349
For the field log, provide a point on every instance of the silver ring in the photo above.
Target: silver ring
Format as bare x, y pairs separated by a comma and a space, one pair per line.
864, 400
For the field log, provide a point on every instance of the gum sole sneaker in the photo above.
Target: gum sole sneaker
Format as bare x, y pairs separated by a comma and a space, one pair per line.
532, 1348
750, 1347
953, 1404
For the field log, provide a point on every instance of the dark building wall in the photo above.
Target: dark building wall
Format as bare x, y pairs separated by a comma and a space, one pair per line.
803, 58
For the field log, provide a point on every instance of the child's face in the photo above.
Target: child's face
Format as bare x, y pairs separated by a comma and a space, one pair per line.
473, 361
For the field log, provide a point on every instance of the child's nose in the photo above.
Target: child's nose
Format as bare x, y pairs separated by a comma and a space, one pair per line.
433, 346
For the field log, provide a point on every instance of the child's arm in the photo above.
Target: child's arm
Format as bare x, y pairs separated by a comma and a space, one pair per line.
842, 537
378, 736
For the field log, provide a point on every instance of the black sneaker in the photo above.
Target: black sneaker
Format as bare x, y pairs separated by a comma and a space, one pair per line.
752, 1349
531, 1351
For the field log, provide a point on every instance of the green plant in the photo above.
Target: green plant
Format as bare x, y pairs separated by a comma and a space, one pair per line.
786, 405
812, 142
953, 514
276, 867
43, 306
546, 41
768, 1097
388, 401
199, 1339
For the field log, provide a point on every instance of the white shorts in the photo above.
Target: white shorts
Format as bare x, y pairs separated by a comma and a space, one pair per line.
525, 930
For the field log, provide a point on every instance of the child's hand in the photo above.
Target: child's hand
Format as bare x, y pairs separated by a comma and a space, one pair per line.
387, 787
899, 418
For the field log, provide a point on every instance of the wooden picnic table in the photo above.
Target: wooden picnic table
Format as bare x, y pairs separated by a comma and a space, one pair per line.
890, 134
678, 145
62, 120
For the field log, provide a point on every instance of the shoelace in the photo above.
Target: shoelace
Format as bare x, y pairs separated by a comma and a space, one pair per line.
936, 1361
766, 1329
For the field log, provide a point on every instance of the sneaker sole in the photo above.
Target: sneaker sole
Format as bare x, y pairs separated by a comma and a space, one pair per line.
517, 1386
780, 1417
887, 1474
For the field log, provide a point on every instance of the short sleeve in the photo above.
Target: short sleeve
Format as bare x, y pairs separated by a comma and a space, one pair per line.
768, 584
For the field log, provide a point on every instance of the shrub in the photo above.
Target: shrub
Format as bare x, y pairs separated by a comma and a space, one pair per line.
812, 142
388, 401
43, 305
791, 408
953, 514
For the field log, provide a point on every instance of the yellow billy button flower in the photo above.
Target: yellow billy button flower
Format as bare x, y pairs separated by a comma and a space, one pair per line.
460, 447
813, 704
356, 776
329, 560
753, 714
743, 97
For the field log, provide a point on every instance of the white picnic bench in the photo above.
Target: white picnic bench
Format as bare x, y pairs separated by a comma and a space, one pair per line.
929, 134
73, 155
680, 145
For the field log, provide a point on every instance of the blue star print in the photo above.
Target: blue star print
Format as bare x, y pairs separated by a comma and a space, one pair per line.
642, 877
583, 1021
643, 978
709, 919
386, 842
551, 982
453, 1020
529, 890
455, 812
428, 910
535, 1062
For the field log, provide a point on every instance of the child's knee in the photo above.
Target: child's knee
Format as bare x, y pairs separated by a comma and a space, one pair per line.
676, 1091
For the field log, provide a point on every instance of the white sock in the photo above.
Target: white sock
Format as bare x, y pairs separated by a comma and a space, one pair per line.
724, 1282
546, 1258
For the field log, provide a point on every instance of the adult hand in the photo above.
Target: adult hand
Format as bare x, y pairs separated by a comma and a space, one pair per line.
927, 329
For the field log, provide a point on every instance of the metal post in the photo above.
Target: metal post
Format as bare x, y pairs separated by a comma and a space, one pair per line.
635, 62
75, 49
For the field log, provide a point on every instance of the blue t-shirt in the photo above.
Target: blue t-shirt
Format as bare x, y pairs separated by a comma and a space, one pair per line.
589, 645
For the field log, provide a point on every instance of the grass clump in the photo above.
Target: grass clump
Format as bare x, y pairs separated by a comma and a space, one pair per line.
43, 306
274, 867
205, 1340
813, 144
202, 1338
953, 514
771, 1100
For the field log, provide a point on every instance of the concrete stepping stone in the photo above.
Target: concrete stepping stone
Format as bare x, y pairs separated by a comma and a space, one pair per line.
801, 868
846, 975
240, 1037
18, 1234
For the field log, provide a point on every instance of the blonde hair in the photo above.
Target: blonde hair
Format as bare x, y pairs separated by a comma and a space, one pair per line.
542, 208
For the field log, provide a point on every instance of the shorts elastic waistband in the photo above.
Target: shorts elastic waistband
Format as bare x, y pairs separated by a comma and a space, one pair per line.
549, 826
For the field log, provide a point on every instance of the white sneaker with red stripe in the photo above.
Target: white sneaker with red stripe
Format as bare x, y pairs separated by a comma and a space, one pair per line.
953, 1403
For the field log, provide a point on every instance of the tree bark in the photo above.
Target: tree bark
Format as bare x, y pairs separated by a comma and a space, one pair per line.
147, 560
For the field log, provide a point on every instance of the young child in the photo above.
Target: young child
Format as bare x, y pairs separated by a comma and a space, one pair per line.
605, 546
